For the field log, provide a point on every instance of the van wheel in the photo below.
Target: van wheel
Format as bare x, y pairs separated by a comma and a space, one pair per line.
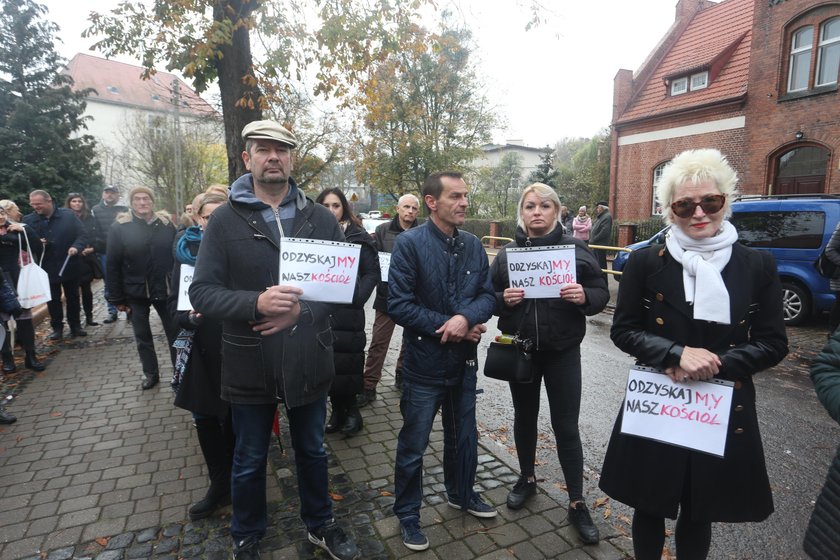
796, 303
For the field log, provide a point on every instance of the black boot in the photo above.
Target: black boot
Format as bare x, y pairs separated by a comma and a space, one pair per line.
353, 423
336, 419
31, 361
89, 322
217, 447
8, 362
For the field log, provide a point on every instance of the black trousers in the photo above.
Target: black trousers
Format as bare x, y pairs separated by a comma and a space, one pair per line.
71, 297
140, 310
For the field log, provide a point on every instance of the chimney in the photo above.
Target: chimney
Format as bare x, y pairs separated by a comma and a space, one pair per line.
622, 91
687, 8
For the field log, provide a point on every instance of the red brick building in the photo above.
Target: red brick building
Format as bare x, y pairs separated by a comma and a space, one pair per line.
756, 79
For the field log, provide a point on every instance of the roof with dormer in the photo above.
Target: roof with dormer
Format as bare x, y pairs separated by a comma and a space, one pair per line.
717, 39
120, 83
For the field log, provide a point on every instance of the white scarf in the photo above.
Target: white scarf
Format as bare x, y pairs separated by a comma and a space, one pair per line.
702, 261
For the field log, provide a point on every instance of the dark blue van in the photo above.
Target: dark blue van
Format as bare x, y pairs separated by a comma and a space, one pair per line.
794, 228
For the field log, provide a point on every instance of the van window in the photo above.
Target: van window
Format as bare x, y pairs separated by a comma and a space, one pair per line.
781, 230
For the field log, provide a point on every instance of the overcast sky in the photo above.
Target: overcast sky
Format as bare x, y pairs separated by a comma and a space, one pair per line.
551, 82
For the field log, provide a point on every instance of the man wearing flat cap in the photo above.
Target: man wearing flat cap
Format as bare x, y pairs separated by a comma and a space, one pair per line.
601, 233
276, 348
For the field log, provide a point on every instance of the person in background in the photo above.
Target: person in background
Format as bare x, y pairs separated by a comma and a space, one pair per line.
90, 267
581, 225
11, 241
187, 218
439, 291
348, 320
139, 267
700, 307
12, 211
105, 212
601, 233
199, 386
62, 237
556, 326
566, 219
276, 347
383, 326
832, 252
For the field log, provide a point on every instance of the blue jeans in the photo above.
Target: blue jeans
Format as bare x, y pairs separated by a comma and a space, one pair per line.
252, 429
103, 260
419, 406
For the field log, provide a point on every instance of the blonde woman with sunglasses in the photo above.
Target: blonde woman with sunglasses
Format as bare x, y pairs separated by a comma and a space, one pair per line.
700, 307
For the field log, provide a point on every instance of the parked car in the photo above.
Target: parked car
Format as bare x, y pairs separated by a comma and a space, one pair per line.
794, 229
374, 214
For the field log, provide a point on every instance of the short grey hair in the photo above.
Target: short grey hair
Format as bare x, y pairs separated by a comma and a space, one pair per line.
543, 192
409, 196
695, 166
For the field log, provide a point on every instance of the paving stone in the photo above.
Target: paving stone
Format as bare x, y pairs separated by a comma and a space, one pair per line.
62, 553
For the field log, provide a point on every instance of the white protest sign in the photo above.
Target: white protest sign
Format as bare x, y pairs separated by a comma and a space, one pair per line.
542, 271
184, 282
325, 270
384, 265
694, 414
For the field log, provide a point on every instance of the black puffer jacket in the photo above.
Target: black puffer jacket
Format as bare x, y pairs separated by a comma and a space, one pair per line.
348, 321
554, 324
385, 236
139, 258
104, 215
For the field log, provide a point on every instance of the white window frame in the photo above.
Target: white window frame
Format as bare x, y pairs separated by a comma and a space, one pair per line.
657, 173
679, 86
705, 83
823, 46
797, 54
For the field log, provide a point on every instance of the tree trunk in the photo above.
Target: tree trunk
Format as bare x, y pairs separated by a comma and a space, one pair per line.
240, 95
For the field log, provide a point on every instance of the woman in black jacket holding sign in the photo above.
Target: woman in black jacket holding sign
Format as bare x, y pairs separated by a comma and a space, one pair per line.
702, 306
348, 320
556, 327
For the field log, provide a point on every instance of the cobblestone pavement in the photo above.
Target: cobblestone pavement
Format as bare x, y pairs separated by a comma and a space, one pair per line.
96, 468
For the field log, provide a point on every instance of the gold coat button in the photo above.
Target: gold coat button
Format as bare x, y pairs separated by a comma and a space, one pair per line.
739, 408
660, 321
660, 297
739, 430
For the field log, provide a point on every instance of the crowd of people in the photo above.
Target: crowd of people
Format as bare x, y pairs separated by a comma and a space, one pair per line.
697, 308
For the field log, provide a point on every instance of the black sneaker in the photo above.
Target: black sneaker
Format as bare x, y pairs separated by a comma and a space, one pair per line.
334, 540
365, 397
6, 418
413, 537
522, 491
581, 520
247, 549
112, 318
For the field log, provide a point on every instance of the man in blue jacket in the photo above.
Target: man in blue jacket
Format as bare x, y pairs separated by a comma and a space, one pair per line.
63, 237
441, 294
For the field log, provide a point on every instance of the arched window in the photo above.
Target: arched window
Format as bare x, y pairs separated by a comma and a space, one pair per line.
828, 57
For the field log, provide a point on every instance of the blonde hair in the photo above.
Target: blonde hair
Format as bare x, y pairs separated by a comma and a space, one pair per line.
543, 192
696, 166
210, 198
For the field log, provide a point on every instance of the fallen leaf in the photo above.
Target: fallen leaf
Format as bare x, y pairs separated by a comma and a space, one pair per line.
56, 414
336, 497
607, 512
385, 493
601, 501
102, 541
624, 519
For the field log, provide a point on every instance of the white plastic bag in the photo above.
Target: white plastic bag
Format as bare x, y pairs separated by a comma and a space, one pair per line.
33, 286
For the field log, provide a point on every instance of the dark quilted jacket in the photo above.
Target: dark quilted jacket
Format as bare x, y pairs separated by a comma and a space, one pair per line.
433, 277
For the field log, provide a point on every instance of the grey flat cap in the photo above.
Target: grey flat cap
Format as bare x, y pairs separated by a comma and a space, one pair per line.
269, 130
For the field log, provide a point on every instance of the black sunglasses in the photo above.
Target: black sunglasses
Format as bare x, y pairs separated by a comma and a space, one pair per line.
711, 204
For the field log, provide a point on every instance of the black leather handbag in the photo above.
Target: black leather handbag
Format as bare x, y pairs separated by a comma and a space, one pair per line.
509, 362
512, 361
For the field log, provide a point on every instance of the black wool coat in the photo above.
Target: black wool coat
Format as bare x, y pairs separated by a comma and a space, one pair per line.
348, 321
652, 321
